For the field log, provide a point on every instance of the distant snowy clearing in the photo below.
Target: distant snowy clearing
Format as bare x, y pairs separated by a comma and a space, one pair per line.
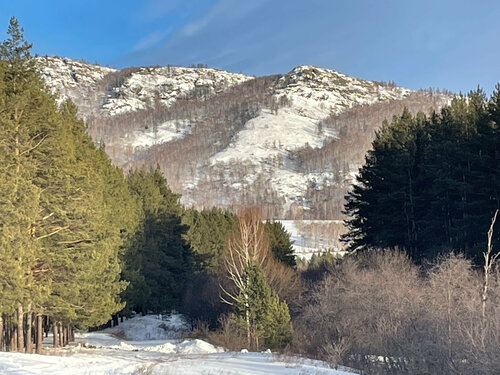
154, 350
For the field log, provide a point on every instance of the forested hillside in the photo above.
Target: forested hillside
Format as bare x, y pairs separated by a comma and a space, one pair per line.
290, 143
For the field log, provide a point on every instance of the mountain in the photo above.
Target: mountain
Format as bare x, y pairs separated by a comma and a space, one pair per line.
290, 143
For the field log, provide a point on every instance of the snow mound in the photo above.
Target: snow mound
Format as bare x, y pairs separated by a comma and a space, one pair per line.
197, 347
162, 348
186, 347
94, 342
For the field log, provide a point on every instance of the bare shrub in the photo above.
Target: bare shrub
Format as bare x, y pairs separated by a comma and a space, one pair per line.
466, 340
201, 330
228, 335
366, 306
285, 281
380, 313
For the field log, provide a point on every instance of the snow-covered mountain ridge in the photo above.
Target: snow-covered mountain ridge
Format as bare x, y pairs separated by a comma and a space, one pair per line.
317, 92
291, 143
74, 79
112, 91
150, 86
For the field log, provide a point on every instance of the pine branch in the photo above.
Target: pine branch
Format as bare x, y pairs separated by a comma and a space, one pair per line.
74, 242
34, 147
54, 232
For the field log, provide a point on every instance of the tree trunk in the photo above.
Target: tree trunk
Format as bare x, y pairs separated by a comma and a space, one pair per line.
13, 339
66, 335
1, 333
20, 326
489, 261
61, 334
29, 342
39, 333
46, 326
55, 342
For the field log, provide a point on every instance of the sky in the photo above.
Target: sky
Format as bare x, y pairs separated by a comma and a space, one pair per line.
447, 44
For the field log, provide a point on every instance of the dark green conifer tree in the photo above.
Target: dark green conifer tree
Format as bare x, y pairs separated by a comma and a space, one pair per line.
19, 196
279, 243
159, 260
261, 313
384, 203
430, 185
207, 234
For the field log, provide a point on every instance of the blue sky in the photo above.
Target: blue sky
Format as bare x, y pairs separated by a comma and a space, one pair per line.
452, 44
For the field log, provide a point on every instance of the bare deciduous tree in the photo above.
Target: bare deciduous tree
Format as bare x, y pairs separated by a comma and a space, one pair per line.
247, 246
489, 261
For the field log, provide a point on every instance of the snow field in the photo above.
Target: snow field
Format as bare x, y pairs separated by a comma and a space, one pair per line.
105, 354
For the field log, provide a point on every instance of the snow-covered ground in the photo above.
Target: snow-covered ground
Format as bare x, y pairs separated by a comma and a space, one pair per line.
314, 236
165, 132
150, 348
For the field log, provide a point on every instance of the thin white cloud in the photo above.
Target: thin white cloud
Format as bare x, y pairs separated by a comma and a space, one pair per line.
155, 9
223, 10
151, 40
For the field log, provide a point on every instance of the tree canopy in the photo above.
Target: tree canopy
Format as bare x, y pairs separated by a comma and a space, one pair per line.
430, 184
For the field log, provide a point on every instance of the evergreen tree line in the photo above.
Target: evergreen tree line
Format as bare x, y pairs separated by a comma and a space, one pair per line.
65, 212
431, 184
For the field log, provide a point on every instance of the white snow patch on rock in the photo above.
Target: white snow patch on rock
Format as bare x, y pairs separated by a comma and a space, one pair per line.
165, 132
150, 86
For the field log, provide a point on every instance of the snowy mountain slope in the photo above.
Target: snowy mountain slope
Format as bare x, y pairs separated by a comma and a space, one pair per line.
311, 94
163, 133
74, 79
305, 96
291, 143
314, 236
